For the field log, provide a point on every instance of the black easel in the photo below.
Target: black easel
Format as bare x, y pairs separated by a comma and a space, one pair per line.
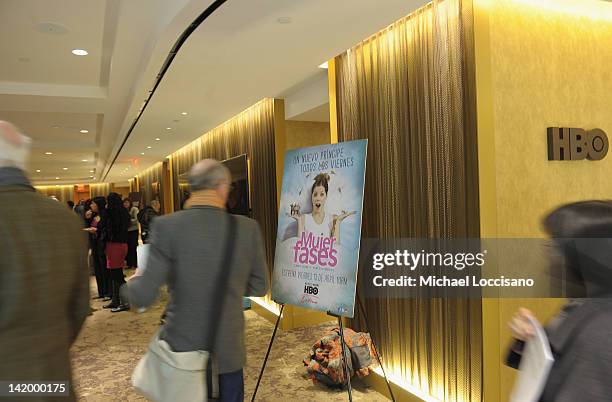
345, 366
263, 367
365, 320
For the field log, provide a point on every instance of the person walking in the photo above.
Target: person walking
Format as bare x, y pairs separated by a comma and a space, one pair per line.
146, 217
580, 336
44, 283
116, 228
131, 259
98, 246
187, 253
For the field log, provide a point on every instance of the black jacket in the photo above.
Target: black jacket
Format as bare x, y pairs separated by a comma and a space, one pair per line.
581, 335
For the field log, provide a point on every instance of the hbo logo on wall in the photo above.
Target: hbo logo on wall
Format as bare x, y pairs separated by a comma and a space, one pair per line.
572, 144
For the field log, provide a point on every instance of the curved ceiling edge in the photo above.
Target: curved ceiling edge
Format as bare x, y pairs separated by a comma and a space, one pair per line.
167, 62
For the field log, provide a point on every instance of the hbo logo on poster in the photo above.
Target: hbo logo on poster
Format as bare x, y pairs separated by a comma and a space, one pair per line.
572, 144
311, 290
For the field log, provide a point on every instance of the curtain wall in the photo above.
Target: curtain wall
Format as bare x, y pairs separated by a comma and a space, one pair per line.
410, 91
250, 132
150, 182
100, 190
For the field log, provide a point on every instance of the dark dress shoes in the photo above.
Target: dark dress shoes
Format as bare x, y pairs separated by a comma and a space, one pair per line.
111, 306
121, 307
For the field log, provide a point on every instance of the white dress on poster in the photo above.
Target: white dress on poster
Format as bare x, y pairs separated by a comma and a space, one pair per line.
318, 229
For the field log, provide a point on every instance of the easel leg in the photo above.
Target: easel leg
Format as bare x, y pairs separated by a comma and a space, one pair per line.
365, 319
347, 369
263, 367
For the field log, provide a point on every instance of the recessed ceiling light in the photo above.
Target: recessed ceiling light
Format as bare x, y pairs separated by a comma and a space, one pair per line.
323, 65
168, 128
284, 20
83, 160
80, 52
184, 113
84, 131
157, 139
64, 168
48, 153
149, 147
55, 126
142, 153
91, 171
37, 170
57, 178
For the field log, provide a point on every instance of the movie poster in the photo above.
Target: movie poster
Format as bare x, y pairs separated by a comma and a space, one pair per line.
319, 227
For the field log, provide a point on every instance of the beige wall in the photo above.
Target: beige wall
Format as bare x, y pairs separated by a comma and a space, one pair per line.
306, 133
124, 191
538, 65
296, 134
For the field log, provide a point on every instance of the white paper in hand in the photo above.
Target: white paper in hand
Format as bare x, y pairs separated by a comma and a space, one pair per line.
536, 362
142, 253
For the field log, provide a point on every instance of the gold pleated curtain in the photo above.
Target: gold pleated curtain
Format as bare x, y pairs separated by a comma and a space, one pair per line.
150, 182
410, 91
62, 193
99, 190
250, 132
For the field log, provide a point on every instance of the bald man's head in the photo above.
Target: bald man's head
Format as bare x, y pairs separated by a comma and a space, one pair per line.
208, 174
14, 146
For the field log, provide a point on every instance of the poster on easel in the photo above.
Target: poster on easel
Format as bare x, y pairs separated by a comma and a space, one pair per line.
319, 227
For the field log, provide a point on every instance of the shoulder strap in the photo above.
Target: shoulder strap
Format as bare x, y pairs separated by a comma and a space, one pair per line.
221, 284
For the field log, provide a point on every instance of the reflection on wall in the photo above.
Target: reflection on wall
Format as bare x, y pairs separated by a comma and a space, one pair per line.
408, 90
62, 193
250, 132
238, 200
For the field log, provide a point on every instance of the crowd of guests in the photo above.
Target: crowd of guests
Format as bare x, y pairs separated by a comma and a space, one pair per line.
114, 226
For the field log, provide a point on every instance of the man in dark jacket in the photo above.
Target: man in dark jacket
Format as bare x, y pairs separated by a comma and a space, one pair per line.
580, 335
44, 283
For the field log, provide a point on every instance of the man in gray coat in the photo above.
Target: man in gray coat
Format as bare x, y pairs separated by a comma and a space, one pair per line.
186, 253
44, 280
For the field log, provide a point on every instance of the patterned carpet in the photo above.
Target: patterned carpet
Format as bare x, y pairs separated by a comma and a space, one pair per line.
111, 344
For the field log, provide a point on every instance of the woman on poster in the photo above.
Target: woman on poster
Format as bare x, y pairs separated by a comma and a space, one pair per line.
318, 221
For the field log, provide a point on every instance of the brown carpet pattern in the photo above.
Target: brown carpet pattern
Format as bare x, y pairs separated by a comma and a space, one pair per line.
110, 345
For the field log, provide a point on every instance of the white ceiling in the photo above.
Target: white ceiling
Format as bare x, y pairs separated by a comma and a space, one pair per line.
239, 55
52, 94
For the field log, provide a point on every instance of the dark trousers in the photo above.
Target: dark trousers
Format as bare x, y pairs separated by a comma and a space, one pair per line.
102, 276
117, 279
231, 387
131, 258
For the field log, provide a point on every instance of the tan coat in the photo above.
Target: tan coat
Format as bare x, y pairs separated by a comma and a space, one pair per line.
44, 286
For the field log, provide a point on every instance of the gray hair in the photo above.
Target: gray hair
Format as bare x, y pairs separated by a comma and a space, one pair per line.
14, 146
207, 174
